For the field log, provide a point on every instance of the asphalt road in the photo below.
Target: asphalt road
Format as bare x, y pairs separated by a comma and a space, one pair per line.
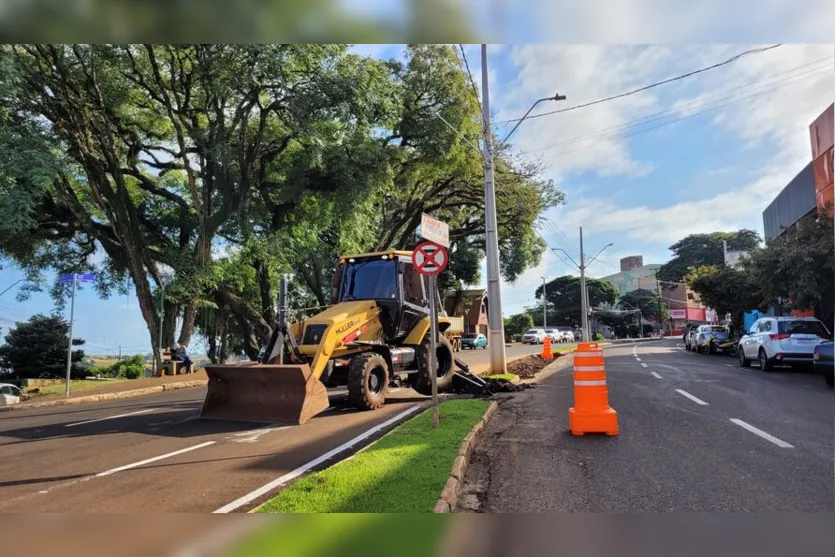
697, 433
153, 454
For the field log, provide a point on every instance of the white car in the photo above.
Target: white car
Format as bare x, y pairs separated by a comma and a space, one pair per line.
9, 394
534, 336
554, 334
782, 340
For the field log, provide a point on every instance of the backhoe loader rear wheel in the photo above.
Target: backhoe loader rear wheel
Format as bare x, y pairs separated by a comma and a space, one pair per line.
368, 379
421, 381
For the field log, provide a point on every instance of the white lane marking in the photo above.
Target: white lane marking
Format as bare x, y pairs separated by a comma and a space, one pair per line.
112, 417
154, 459
266, 488
656, 375
189, 419
691, 397
637, 358
761, 433
635, 349
730, 365
643, 364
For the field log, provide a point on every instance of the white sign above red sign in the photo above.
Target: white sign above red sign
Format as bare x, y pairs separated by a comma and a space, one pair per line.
434, 230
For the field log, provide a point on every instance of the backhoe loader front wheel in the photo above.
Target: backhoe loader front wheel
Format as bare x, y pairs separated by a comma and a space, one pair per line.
368, 380
421, 381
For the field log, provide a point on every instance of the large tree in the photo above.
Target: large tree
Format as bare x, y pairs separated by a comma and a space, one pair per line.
233, 164
39, 347
645, 300
727, 290
563, 295
698, 250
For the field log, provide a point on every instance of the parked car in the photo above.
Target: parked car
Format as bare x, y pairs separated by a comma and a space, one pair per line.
534, 336
782, 340
568, 334
473, 341
685, 334
824, 362
554, 335
709, 337
9, 394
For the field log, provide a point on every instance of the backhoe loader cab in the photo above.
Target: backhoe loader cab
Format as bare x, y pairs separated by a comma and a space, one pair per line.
375, 334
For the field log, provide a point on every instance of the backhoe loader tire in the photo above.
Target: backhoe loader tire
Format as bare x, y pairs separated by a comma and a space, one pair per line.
368, 379
421, 381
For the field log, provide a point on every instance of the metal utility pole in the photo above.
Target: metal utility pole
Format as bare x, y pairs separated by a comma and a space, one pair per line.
494, 295
660, 313
544, 306
433, 349
69, 347
584, 308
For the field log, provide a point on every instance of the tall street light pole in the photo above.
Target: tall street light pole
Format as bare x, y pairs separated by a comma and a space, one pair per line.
544, 306
494, 295
584, 293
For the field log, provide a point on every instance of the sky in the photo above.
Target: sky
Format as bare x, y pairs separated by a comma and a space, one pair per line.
701, 154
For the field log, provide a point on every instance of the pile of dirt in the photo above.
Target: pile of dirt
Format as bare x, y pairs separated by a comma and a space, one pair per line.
528, 367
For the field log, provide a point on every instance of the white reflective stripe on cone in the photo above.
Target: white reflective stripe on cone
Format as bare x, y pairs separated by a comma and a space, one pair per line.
590, 383
589, 368
589, 352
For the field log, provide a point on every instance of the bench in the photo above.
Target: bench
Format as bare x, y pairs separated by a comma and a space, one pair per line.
169, 365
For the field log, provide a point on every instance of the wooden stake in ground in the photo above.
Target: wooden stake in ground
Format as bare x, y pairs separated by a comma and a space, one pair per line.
433, 347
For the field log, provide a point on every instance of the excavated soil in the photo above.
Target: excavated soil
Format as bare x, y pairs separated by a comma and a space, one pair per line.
528, 367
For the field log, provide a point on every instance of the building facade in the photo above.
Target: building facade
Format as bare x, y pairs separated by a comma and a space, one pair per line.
642, 276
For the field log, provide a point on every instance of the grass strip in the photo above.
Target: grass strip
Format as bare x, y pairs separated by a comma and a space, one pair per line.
404, 472
347, 535
75, 386
503, 377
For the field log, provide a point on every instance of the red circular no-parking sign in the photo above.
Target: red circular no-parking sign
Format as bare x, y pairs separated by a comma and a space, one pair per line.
429, 258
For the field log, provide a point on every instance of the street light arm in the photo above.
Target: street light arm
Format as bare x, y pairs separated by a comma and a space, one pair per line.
568, 256
556, 97
13, 284
598, 254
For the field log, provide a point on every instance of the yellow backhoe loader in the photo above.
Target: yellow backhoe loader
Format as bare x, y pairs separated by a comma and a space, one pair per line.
374, 335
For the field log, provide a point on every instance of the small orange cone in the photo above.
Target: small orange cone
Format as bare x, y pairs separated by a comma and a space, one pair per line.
591, 412
546, 349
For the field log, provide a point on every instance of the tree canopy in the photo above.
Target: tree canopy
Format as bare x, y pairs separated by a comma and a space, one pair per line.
234, 164
563, 296
645, 300
697, 250
39, 347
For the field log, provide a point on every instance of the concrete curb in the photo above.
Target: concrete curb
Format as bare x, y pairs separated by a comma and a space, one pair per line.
449, 496
109, 396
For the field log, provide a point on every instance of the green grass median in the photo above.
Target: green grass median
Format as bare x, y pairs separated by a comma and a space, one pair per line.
347, 535
404, 472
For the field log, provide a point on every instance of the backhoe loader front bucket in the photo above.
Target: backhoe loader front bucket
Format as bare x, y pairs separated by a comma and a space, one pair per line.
254, 392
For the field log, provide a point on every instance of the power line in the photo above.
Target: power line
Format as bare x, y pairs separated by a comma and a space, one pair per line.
661, 114
650, 86
469, 73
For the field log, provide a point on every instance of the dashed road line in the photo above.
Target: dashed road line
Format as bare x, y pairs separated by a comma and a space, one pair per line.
761, 433
691, 397
643, 364
656, 375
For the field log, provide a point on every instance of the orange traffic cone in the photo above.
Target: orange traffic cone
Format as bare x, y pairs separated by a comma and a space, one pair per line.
546, 349
591, 412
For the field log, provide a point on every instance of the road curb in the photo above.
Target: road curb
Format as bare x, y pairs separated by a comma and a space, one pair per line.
452, 490
109, 396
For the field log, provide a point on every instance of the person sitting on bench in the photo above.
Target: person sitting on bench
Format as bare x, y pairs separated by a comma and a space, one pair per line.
179, 352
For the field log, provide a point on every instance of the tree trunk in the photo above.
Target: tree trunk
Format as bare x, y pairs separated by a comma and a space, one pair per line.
255, 331
189, 319
265, 290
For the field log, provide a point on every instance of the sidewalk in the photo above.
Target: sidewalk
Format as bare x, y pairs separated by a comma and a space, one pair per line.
112, 391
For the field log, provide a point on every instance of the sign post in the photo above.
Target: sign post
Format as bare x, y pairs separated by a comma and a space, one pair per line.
429, 259
74, 279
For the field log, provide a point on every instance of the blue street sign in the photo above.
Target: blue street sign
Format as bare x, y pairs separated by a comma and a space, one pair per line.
81, 277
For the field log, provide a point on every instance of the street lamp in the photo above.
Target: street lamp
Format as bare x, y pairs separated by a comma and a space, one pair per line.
556, 97
544, 305
13, 284
584, 295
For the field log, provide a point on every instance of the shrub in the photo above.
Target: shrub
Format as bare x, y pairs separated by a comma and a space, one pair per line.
597, 336
133, 371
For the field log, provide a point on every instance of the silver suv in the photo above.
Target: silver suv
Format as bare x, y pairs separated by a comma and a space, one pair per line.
782, 340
